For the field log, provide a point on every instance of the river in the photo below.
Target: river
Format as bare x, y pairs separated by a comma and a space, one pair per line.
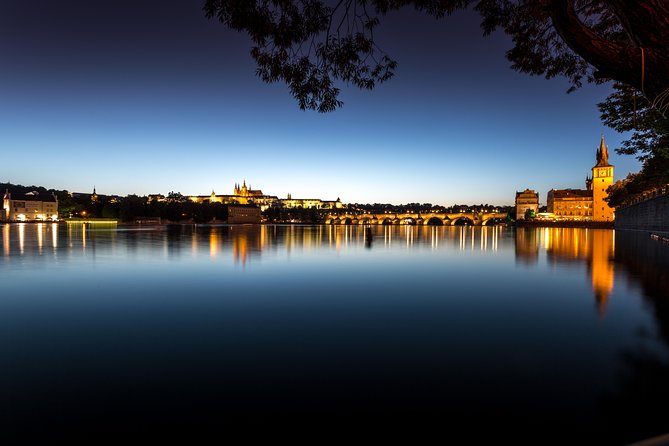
537, 335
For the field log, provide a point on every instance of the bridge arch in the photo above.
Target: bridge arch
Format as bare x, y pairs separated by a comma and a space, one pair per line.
345, 221
434, 221
490, 221
409, 221
462, 221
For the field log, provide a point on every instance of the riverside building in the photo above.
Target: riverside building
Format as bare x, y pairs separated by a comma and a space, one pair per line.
587, 204
31, 206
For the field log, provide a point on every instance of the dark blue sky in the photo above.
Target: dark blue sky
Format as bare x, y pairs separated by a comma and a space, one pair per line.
149, 96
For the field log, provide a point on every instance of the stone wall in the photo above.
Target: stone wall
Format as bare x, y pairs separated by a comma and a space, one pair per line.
650, 214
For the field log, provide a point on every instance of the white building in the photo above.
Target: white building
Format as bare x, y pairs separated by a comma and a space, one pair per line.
32, 206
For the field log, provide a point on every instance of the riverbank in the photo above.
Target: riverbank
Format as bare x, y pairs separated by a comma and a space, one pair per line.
565, 224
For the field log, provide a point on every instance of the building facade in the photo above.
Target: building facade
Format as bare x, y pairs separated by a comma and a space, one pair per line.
31, 206
240, 195
570, 204
247, 195
587, 204
527, 200
238, 214
310, 203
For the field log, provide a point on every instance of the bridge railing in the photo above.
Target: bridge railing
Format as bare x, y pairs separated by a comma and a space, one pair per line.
647, 195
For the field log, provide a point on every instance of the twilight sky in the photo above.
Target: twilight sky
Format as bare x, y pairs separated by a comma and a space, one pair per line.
130, 98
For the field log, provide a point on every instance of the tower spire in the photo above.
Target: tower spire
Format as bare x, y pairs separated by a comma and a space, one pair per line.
603, 154
604, 151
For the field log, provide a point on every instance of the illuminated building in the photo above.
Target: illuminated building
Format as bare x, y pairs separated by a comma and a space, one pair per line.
31, 206
527, 200
570, 204
240, 195
246, 195
153, 198
589, 203
310, 203
602, 178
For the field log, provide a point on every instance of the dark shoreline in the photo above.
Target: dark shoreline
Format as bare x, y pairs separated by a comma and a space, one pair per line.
565, 224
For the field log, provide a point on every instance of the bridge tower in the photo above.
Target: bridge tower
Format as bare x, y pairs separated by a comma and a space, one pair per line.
602, 178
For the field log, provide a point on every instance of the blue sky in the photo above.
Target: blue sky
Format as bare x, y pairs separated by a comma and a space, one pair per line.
131, 99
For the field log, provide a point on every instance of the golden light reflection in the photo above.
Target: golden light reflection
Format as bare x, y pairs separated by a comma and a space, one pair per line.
22, 236
5, 240
527, 245
484, 238
247, 240
40, 237
240, 248
495, 237
54, 235
602, 267
250, 241
214, 244
387, 235
264, 237
594, 246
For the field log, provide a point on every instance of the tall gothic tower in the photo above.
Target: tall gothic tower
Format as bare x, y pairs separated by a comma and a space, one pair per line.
602, 178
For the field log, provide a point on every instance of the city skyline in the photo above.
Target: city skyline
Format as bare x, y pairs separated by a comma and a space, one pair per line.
138, 100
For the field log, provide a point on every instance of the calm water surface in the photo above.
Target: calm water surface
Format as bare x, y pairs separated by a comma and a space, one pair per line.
538, 335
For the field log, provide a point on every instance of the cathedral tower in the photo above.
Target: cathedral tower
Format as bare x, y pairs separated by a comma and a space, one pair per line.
602, 178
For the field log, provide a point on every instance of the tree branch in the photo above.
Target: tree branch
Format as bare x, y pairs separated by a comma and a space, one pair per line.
645, 70
653, 15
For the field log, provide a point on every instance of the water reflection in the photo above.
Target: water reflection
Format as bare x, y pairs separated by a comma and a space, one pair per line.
243, 242
644, 385
5, 240
561, 246
246, 242
595, 247
409, 324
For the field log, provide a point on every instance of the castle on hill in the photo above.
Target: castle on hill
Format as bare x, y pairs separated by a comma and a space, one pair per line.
248, 196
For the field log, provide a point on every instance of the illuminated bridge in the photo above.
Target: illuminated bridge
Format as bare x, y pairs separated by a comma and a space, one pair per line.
430, 218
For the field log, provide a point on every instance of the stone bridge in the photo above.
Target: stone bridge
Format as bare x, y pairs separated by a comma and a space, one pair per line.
431, 218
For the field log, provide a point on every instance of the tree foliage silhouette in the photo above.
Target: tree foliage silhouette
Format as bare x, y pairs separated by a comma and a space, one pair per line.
314, 45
